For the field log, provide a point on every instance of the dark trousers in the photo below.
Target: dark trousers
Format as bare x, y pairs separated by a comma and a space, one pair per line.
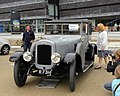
27, 46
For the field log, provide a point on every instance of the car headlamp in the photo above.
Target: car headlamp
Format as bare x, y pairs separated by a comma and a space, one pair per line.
56, 58
27, 56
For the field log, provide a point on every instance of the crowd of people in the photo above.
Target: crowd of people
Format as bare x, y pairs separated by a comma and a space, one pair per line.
113, 28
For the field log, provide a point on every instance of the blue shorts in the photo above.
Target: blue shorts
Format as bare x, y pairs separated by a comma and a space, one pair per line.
102, 54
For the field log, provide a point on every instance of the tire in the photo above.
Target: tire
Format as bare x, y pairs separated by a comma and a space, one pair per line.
5, 50
72, 76
20, 73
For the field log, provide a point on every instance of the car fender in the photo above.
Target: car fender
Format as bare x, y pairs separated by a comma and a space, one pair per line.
6, 45
69, 58
78, 48
15, 56
4, 42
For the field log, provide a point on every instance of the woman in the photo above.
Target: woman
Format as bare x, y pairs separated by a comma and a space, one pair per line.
102, 41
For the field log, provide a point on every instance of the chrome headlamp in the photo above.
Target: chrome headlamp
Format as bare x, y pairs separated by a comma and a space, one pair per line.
56, 58
27, 56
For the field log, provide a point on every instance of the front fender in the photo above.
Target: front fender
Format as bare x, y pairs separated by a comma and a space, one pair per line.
70, 57
78, 48
15, 56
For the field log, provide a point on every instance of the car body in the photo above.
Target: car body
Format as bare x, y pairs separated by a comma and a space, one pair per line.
4, 46
64, 50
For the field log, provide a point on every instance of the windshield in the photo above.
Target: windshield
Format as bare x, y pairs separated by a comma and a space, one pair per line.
65, 29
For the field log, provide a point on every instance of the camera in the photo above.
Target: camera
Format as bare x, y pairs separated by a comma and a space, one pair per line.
112, 55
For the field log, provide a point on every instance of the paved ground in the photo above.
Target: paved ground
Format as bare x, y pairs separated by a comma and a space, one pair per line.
88, 84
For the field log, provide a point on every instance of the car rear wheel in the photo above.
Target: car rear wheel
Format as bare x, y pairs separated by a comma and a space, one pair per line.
20, 73
72, 76
5, 50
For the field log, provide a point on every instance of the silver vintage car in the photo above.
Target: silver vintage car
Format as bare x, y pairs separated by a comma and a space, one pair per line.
4, 46
64, 50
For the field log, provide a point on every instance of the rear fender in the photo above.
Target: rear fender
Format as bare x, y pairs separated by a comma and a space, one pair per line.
15, 56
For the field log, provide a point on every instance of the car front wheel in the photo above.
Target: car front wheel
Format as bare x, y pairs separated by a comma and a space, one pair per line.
20, 73
5, 50
72, 76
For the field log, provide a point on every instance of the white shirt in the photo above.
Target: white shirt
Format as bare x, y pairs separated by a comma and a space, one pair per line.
102, 40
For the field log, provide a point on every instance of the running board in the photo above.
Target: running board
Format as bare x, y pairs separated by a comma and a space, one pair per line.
88, 64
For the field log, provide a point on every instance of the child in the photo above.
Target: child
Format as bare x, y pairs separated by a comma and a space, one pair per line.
116, 82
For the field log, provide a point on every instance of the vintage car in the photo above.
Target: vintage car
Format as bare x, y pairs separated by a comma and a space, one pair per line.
4, 47
64, 50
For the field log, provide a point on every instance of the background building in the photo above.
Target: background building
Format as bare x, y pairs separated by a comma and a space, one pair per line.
105, 11
35, 12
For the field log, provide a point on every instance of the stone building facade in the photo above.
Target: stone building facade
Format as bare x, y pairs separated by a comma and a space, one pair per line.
97, 10
33, 12
37, 11
29, 9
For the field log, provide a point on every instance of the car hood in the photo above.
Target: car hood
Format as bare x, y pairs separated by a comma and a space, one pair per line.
60, 38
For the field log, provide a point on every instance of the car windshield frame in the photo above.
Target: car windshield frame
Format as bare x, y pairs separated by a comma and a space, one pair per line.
66, 27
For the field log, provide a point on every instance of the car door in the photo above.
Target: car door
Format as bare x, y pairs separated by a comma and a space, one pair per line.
84, 42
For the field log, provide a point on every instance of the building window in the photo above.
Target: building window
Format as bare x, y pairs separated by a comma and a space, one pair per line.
53, 10
56, 11
5, 27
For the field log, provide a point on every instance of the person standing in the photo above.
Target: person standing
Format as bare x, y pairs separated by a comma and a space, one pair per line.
28, 37
102, 41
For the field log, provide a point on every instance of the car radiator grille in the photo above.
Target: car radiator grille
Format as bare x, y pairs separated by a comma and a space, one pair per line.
44, 54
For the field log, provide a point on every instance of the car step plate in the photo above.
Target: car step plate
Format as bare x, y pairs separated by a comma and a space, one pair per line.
48, 83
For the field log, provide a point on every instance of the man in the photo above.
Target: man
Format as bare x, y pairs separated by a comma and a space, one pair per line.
28, 37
